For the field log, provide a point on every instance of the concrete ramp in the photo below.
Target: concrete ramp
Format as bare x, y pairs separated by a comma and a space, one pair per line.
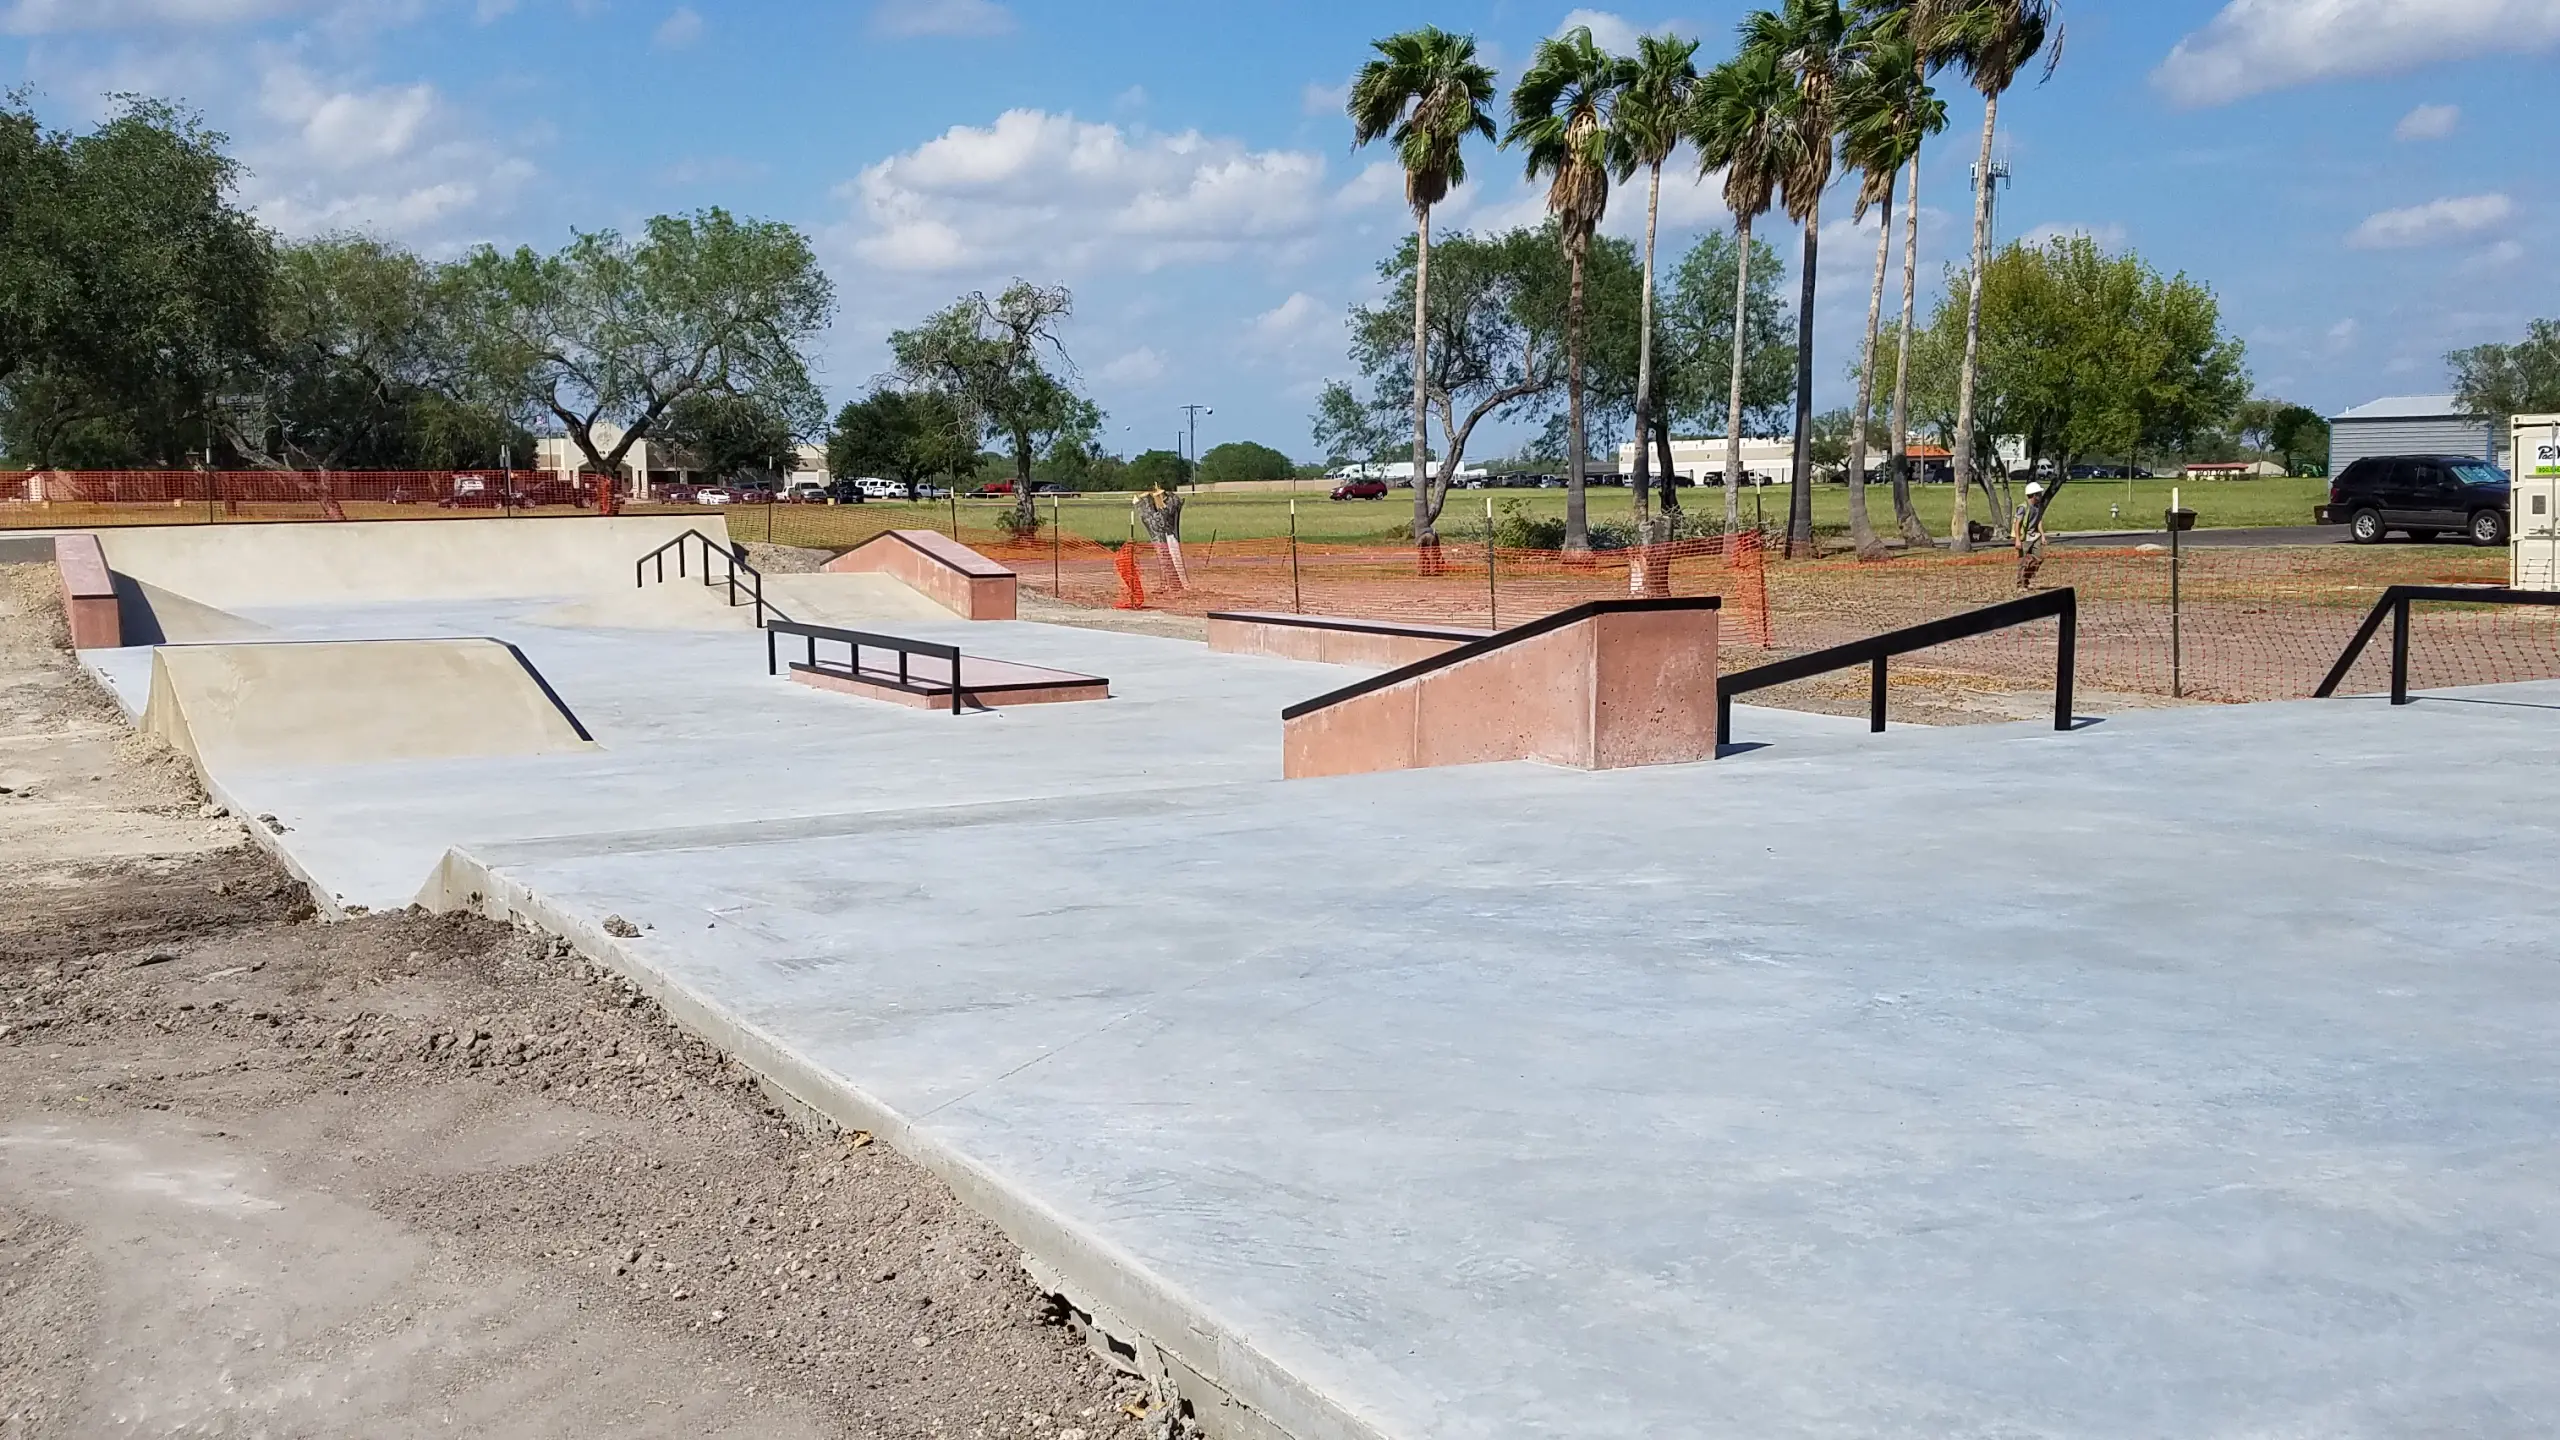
849, 598
150, 615
233, 567
354, 702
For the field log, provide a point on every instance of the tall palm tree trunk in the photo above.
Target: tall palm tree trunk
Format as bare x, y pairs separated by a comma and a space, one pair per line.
1424, 537
1577, 518
1800, 491
1914, 532
1733, 405
1861, 532
1962, 522
1644, 367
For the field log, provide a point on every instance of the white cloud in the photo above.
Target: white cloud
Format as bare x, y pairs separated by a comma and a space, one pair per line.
1135, 368
46, 17
1611, 32
1068, 192
680, 29
1296, 320
2428, 122
1318, 99
941, 17
395, 160
2496, 257
2433, 223
2255, 46
2343, 334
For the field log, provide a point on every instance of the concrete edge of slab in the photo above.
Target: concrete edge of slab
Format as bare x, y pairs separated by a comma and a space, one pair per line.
1235, 1391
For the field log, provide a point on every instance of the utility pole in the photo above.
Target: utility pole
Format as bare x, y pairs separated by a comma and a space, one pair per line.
1192, 414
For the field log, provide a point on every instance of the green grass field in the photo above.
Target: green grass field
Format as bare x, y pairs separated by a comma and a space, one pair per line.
2083, 505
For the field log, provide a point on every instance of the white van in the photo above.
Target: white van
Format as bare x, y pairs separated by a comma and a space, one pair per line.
875, 488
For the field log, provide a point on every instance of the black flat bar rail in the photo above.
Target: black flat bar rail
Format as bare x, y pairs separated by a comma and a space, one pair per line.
730, 558
1498, 639
2395, 602
1875, 650
856, 640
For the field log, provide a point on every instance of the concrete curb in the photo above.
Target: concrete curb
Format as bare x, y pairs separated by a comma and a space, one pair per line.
1149, 1324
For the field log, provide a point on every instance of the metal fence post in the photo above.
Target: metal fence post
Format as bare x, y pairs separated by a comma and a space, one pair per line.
2400, 652
1492, 585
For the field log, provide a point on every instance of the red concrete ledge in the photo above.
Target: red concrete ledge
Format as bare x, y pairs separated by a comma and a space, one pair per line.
88, 593
937, 567
1604, 685
1333, 639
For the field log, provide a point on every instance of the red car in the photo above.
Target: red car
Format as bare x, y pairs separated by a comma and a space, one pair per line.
1360, 490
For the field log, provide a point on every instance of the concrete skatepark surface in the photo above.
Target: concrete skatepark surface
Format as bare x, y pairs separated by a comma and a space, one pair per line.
2185, 1074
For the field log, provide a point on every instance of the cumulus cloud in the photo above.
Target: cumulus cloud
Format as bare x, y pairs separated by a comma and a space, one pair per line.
1318, 99
1610, 31
680, 29
2434, 223
47, 17
1135, 368
395, 160
941, 17
2110, 236
2428, 122
1298, 315
1068, 192
2255, 46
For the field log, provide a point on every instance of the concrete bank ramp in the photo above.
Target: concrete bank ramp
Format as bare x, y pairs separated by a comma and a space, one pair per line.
151, 615
296, 704
825, 598
234, 567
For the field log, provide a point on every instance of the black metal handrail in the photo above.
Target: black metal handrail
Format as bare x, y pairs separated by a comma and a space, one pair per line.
729, 557
2395, 602
856, 640
1875, 650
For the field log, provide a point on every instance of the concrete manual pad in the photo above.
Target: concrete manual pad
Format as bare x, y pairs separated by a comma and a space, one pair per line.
2187, 1075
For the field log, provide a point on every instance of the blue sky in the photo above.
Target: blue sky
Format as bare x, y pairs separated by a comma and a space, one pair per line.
2350, 176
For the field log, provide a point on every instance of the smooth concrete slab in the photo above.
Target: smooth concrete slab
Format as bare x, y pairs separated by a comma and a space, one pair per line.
2186, 1075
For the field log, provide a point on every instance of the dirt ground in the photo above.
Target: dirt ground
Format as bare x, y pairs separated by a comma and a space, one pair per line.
418, 1174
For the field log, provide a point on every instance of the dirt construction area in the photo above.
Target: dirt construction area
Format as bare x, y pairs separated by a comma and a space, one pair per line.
422, 1174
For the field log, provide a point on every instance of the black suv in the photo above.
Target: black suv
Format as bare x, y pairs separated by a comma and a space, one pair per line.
2421, 496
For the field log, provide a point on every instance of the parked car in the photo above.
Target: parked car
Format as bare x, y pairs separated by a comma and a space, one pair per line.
756, 490
933, 492
992, 491
1048, 489
474, 492
713, 495
2421, 496
805, 492
845, 492
1360, 490
551, 490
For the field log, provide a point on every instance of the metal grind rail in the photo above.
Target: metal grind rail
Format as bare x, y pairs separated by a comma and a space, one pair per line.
856, 641
734, 563
2395, 602
1876, 650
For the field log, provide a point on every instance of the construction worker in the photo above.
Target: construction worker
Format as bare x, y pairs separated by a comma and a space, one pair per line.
2026, 532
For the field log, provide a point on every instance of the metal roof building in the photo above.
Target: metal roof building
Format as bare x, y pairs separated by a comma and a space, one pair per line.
2409, 425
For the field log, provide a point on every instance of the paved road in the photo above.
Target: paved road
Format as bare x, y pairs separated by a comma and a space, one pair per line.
2236, 535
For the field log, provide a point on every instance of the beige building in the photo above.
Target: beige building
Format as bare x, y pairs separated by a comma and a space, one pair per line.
652, 464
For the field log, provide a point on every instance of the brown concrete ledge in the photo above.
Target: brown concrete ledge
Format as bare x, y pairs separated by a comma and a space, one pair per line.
88, 593
937, 567
1604, 685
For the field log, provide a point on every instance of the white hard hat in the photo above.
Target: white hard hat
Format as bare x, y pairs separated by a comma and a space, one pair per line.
2035, 487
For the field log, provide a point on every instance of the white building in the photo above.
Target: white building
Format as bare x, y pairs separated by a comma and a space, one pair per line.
2410, 425
650, 464
1773, 461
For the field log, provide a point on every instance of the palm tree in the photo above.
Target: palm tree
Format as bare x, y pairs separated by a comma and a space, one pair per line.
1806, 40
1427, 92
1886, 109
1742, 123
1560, 114
1651, 110
1993, 40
